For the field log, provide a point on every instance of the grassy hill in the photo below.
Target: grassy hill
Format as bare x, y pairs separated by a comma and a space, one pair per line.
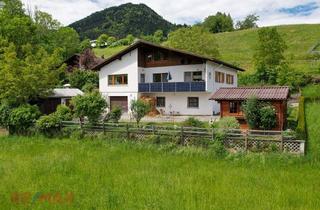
238, 47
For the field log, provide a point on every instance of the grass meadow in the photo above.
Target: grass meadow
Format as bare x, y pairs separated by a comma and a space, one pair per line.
109, 174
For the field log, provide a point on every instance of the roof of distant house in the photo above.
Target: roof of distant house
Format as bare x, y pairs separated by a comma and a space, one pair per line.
140, 42
243, 93
65, 92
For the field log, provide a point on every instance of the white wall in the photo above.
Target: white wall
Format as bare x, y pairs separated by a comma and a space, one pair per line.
127, 65
177, 72
179, 103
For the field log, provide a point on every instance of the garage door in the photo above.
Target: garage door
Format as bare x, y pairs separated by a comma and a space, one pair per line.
120, 101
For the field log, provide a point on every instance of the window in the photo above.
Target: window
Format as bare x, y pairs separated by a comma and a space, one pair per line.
193, 76
142, 78
161, 102
193, 102
233, 107
118, 79
229, 79
219, 77
156, 55
161, 77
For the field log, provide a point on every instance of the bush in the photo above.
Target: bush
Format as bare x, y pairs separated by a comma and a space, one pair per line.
49, 125
22, 118
267, 117
5, 111
217, 147
227, 123
301, 128
90, 105
64, 113
82, 78
251, 111
114, 115
139, 109
193, 122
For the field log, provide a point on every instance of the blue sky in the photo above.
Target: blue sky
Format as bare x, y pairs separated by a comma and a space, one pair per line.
271, 12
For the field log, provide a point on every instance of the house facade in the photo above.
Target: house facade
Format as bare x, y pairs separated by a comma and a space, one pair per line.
180, 82
231, 99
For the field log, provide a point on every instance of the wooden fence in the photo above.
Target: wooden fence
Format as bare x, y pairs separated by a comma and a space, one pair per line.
235, 139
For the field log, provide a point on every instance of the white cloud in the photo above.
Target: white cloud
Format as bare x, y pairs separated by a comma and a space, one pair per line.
183, 11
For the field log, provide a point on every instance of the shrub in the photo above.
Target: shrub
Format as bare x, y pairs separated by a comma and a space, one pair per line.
49, 125
89, 105
226, 123
301, 128
251, 111
139, 109
217, 147
22, 118
267, 117
81, 78
193, 122
114, 115
64, 113
5, 111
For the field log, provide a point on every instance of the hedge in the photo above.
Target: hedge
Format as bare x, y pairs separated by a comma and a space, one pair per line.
301, 127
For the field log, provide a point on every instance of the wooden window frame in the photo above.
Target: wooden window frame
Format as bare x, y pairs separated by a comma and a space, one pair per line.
233, 107
230, 79
112, 79
219, 77
163, 77
189, 102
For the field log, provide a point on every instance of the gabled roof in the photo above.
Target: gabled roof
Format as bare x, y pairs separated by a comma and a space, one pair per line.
243, 93
150, 44
65, 92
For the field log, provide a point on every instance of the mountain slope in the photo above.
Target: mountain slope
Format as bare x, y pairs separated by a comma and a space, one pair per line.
238, 47
119, 21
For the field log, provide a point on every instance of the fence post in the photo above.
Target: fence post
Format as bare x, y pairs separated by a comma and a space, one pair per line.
282, 143
104, 128
246, 134
212, 134
153, 130
127, 130
182, 136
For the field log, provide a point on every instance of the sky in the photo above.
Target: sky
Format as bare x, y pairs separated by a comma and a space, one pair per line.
271, 12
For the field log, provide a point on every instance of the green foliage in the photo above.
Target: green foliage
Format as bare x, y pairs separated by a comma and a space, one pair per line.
251, 111
220, 22
189, 39
63, 112
31, 50
301, 128
267, 117
84, 79
193, 122
135, 19
90, 105
102, 40
311, 92
5, 111
227, 123
85, 44
114, 115
49, 125
139, 109
22, 118
157, 37
269, 58
249, 22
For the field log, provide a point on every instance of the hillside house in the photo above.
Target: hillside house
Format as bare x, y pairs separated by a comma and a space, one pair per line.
180, 82
230, 100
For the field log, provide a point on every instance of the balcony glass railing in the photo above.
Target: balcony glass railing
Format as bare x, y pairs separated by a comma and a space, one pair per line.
172, 87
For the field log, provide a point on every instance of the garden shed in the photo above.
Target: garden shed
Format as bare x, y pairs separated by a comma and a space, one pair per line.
230, 100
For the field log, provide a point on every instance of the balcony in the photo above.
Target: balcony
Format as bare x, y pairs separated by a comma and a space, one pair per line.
172, 87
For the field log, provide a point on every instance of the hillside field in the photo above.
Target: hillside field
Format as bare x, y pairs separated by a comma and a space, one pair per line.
238, 47
106, 174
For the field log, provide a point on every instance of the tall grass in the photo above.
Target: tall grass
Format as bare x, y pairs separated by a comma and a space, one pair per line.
106, 174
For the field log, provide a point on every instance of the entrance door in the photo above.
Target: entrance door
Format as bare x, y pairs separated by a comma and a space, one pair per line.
120, 101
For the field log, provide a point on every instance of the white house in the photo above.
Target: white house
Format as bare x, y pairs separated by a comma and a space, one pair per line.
179, 81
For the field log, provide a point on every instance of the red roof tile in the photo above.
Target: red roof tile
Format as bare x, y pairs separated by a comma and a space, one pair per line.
243, 93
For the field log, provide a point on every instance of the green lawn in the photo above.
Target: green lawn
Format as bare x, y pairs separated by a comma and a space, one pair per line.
107, 52
111, 175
